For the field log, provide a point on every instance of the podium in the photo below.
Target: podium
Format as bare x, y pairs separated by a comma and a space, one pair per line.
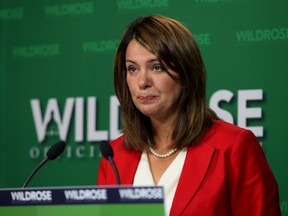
84, 201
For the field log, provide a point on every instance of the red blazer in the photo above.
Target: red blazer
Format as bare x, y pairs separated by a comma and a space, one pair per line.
224, 174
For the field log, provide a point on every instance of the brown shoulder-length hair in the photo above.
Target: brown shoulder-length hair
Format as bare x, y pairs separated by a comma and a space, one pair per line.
174, 46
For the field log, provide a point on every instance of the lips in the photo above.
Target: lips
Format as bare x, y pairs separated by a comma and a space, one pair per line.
147, 99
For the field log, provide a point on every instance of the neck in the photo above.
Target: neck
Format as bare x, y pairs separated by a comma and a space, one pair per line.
162, 133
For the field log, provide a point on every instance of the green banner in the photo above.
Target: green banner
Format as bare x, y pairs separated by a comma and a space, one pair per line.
56, 78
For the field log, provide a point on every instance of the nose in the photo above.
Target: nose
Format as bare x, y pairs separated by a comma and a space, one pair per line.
144, 79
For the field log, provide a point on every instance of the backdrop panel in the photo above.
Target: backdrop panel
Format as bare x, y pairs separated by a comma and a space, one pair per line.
56, 67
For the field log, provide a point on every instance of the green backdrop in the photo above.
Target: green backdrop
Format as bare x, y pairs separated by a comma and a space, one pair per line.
56, 67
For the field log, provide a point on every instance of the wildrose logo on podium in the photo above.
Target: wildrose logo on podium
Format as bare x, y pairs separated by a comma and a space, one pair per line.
81, 195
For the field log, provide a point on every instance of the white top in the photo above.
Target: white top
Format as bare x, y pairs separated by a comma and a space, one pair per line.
169, 180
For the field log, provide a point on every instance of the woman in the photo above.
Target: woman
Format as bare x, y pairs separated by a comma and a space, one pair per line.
170, 136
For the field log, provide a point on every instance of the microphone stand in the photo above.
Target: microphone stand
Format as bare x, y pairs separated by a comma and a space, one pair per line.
34, 171
115, 169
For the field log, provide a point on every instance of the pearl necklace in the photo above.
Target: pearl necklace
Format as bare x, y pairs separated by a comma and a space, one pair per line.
161, 155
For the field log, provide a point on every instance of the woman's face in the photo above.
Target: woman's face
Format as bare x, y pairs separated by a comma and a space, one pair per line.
153, 91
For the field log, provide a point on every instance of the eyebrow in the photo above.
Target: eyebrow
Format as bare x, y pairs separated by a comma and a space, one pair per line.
149, 61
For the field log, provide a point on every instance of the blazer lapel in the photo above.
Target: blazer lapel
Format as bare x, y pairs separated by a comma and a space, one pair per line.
197, 162
128, 164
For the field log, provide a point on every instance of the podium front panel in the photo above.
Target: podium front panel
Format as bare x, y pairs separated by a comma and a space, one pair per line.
84, 201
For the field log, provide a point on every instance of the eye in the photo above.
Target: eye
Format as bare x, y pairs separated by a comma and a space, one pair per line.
131, 68
157, 68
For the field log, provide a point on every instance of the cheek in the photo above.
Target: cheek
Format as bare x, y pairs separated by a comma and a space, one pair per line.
177, 92
130, 85
128, 82
174, 92
171, 87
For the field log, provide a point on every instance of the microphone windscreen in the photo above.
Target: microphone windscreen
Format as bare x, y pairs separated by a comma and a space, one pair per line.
106, 149
55, 150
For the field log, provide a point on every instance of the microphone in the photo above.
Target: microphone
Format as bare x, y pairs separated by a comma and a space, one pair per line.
107, 153
53, 152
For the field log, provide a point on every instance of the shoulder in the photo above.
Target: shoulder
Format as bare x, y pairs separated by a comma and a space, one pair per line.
223, 127
239, 158
117, 142
225, 135
119, 149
